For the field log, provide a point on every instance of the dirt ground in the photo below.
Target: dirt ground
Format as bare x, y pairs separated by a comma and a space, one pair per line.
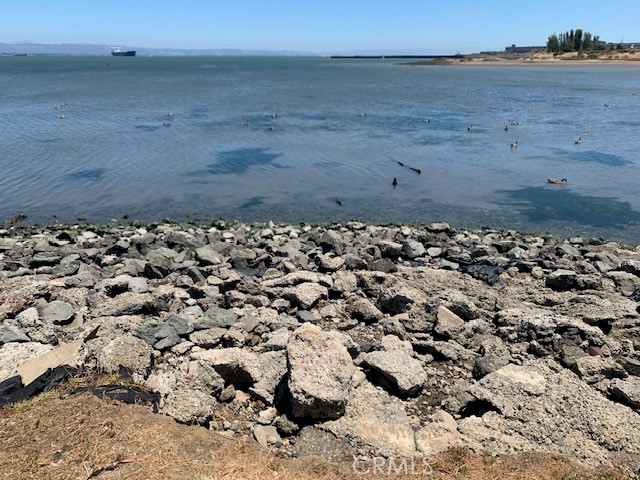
58, 435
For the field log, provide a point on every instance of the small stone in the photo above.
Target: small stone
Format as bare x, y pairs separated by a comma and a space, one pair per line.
266, 435
58, 312
228, 394
9, 333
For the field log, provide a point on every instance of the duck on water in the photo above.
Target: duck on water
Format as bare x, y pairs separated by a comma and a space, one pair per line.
557, 181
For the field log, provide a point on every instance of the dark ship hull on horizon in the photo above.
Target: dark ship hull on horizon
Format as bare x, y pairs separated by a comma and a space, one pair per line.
117, 52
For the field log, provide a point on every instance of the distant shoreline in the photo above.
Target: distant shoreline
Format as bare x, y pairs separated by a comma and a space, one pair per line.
625, 58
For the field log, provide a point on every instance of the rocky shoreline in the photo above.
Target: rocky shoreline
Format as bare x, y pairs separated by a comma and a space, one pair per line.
346, 339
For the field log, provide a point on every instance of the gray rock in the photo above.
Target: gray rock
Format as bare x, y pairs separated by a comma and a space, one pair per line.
286, 426
327, 263
448, 324
439, 435
208, 256
312, 441
127, 303
228, 394
489, 363
170, 340
541, 403
207, 338
626, 282
594, 369
216, 317
305, 295
362, 309
413, 249
44, 259
376, 421
332, 241
627, 390
307, 316
399, 368
385, 265
189, 406
437, 227
567, 249
273, 368
320, 373
58, 312
235, 365
562, 279
138, 285
390, 249
132, 353
278, 339
631, 365
266, 435
147, 332
9, 334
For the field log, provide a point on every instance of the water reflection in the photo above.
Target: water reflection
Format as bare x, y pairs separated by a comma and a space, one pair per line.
541, 204
239, 161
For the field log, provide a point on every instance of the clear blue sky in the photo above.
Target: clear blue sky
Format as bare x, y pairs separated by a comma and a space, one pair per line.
322, 26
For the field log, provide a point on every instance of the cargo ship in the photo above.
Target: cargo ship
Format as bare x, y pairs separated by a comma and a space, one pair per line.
119, 52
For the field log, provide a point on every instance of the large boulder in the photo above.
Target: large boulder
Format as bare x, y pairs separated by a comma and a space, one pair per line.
376, 421
127, 351
398, 369
541, 406
320, 373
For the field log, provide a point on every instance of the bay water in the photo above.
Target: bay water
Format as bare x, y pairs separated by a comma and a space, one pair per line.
321, 140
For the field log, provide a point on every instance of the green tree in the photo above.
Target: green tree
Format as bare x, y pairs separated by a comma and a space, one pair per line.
577, 40
587, 42
553, 44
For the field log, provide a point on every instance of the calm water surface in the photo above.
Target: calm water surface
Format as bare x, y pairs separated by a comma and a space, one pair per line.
111, 155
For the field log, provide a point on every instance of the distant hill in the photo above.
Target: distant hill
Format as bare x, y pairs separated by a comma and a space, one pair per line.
87, 49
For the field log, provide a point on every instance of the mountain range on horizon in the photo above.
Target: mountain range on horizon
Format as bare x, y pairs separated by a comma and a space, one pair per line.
31, 48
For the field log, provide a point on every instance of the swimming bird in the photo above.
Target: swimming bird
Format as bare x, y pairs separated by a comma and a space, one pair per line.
515, 124
166, 124
273, 115
426, 120
338, 202
170, 114
606, 105
400, 163
362, 115
61, 116
417, 170
514, 145
506, 128
557, 181
245, 123
395, 182
270, 128
578, 141
469, 128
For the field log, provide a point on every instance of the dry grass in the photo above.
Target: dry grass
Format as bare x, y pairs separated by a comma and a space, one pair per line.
60, 436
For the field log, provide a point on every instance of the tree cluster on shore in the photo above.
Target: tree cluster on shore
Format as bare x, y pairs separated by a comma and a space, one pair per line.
575, 41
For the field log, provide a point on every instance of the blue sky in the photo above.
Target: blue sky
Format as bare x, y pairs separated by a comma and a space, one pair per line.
321, 26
